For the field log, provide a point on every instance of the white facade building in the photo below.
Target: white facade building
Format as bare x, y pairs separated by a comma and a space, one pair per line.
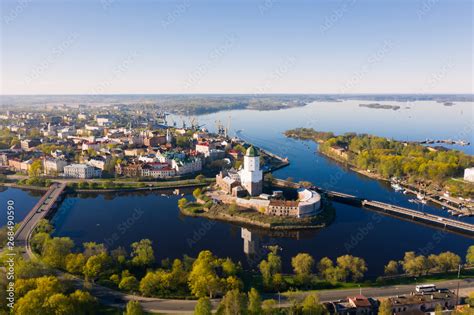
469, 174
82, 171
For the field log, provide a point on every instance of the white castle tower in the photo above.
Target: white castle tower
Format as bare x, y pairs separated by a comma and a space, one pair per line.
251, 176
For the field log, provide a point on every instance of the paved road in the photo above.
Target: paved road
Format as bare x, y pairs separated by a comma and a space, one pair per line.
169, 306
39, 211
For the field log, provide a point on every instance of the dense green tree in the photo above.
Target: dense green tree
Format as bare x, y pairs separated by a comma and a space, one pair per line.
36, 168
303, 264
355, 267
391, 268
142, 253
44, 226
165, 282
45, 295
75, 263
254, 302
38, 241
415, 265
270, 267
385, 307
203, 307
55, 251
311, 305
470, 299
84, 303
96, 265
182, 203
233, 303
268, 306
59, 304
93, 249
197, 193
30, 269
470, 255
129, 284
133, 308
203, 279
444, 262
119, 256
153, 284
229, 267
232, 283
324, 265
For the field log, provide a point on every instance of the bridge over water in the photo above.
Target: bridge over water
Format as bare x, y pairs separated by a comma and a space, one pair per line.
431, 220
42, 209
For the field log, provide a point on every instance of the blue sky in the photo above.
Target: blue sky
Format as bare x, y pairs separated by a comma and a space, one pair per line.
261, 46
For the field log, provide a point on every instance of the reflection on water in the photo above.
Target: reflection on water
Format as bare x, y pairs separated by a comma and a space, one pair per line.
113, 219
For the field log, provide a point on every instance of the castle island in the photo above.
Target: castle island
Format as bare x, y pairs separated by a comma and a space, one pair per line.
244, 187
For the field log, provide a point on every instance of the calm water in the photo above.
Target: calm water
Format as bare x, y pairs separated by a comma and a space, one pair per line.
24, 201
119, 219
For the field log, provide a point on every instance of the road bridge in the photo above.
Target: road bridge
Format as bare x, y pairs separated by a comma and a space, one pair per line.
42, 209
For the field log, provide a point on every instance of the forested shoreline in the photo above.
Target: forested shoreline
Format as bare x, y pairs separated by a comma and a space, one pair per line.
414, 163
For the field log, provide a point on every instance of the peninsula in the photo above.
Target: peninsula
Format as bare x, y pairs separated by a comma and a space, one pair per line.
424, 170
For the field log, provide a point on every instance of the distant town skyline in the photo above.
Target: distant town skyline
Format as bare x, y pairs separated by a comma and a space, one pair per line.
236, 47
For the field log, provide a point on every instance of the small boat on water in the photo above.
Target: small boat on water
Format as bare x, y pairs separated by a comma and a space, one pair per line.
420, 196
396, 187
